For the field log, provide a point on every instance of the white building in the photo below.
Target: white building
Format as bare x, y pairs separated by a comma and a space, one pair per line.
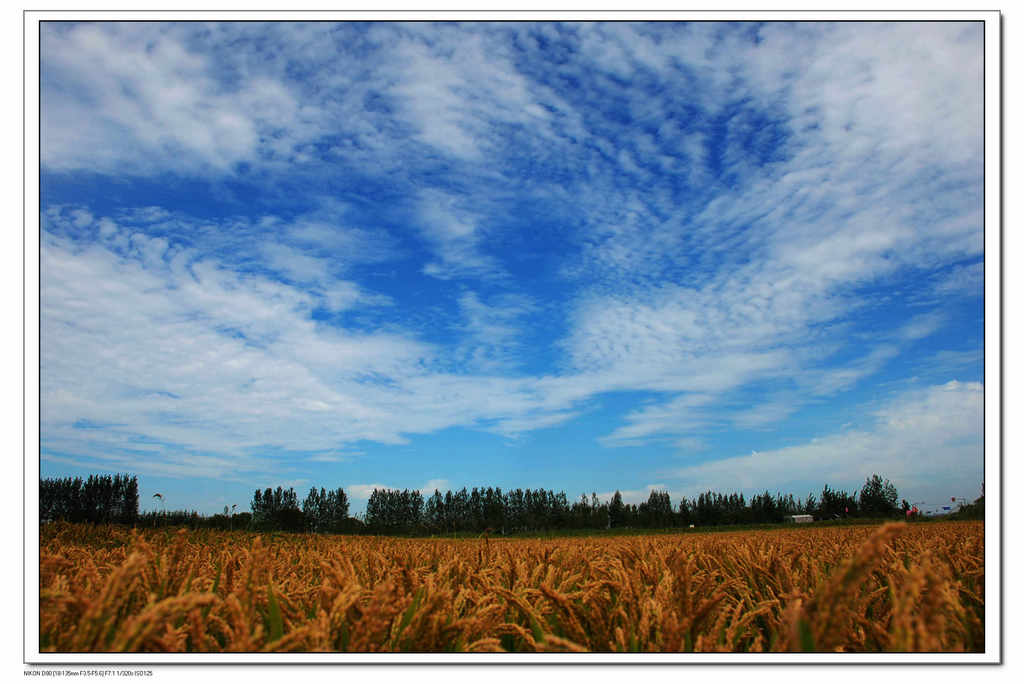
802, 518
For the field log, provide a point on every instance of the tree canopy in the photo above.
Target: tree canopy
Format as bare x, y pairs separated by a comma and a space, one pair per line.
476, 510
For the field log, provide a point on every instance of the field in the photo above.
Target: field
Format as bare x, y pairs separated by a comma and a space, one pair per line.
897, 587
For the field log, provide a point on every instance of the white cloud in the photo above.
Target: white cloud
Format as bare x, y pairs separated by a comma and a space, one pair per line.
318, 273
328, 458
81, 218
193, 357
922, 325
329, 232
128, 95
930, 439
770, 269
632, 496
198, 356
513, 427
830, 381
362, 492
454, 88
295, 264
962, 281
949, 362
690, 444
766, 413
494, 333
439, 484
680, 416
452, 231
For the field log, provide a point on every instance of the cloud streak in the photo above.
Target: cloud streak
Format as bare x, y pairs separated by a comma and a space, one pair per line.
926, 437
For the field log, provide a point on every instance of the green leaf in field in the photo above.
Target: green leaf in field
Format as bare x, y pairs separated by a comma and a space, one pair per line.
343, 636
409, 612
806, 638
538, 633
276, 624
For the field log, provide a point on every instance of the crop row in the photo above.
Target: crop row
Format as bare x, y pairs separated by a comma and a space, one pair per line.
894, 588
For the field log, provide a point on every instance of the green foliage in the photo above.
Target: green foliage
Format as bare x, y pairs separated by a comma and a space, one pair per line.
656, 511
275, 622
491, 511
616, 511
277, 509
97, 499
325, 511
836, 504
878, 497
390, 510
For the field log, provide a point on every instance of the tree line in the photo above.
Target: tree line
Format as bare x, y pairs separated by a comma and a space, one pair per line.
390, 511
490, 509
321, 511
96, 499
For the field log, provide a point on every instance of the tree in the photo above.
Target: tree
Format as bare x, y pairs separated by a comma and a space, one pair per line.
130, 510
289, 516
476, 510
494, 509
97, 499
656, 511
616, 511
314, 510
412, 510
878, 497
836, 504
580, 512
375, 510
685, 514
810, 507
448, 511
277, 509
335, 510
434, 512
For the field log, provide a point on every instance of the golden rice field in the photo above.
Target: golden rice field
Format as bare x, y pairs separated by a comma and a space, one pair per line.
895, 588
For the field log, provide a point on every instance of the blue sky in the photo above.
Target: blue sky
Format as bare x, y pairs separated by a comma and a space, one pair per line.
578, 256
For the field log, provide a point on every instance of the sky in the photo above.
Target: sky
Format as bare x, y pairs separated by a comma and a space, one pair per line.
583, 257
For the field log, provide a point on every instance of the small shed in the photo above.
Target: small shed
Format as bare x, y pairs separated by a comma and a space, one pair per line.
802, 518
